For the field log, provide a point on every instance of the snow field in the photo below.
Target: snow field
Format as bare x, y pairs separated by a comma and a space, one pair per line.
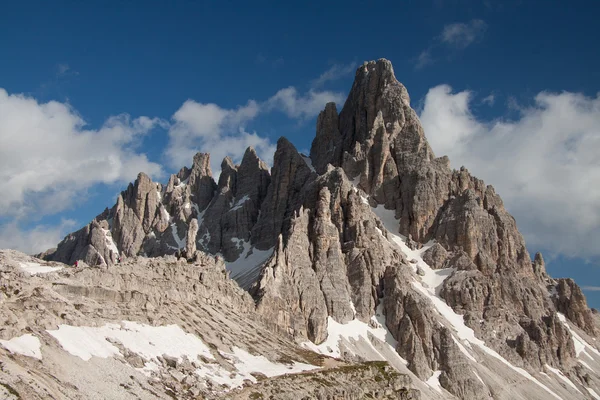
33, 268
151, 342
27, 345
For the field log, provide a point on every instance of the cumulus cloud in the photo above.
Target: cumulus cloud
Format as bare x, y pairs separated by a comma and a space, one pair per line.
218, 131
36, 240
222, 132
308, 105
336, 71
47, 157
544, 164
489, 100
462, 35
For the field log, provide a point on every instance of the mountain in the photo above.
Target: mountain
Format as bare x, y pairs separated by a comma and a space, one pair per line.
369, 269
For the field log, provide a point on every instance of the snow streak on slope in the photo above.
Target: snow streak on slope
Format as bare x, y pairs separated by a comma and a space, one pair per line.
248, 264
238, 204
27, 345
566, 380
581, 346
33, 268
432, 278
593, 393
180, 242
308, 162
434, 381
110, 242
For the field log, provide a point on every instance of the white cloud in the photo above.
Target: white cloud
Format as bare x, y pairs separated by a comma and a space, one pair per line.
336, 71
296, 106
545, 164
36, 240
591, 288
62, 69
222, 132
218, 131
461, 35
424, 59
489, 100
48, 158
453, 38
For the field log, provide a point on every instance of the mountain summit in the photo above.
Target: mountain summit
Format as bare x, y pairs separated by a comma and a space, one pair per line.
371, 249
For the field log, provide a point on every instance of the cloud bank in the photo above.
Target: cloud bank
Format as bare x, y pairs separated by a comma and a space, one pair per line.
544, 164
48, 158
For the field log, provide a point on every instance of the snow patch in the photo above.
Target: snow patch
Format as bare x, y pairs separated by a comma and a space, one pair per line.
180, 242
165, 213
352, 308
246, 363
434, 381
308, 162
110, 243
586, 365
581, 346
238, 204
593, 393
432, 278
249, 259
559, 373
33, 268
147, 341
355, 332
27, 345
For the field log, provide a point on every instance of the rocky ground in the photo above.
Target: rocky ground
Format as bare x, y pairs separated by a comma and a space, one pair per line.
147, 328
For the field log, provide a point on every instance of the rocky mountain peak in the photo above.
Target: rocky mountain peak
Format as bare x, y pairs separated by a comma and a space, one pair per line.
372, 232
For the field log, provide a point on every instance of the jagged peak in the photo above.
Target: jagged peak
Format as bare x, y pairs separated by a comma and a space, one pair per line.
379, 75
330, 107
250, 154
284, 143
202, 162
227, 163
251, 159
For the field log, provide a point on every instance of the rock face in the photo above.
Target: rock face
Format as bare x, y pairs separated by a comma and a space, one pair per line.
373, 221
570, 301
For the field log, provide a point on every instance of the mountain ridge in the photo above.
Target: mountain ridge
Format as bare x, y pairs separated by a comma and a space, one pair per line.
338, 229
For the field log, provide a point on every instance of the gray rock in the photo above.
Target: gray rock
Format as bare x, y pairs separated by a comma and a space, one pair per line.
571, 302
290, 177
435, 256
190, 247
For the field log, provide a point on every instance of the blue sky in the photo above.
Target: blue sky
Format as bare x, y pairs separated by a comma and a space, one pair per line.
509, 89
